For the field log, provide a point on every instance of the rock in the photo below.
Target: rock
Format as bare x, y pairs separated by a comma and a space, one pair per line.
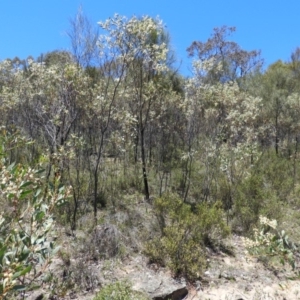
158, 286
248, 288
38, 295
178, 294
198, 285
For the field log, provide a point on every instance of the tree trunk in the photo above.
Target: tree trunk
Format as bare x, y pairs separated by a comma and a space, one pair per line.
144, 168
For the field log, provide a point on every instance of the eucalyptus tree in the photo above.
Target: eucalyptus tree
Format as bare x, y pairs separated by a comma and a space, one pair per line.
278, 85
11, 72
84, 37
221, 132
7, 84
54, 96
137, 46
295, 64
120, 50
49, 102
56, 57
227, 60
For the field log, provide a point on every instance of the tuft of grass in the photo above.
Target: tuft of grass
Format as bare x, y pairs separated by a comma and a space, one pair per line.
120, 290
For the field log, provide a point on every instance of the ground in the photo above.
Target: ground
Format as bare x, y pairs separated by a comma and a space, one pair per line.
244, 277
232, 276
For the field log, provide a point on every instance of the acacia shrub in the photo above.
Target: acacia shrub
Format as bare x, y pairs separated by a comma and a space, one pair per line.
184, 233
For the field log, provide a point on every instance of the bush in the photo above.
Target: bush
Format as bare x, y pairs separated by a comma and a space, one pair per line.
184, 234
26, 226
259, 193
268, 242
120, 290
250, 199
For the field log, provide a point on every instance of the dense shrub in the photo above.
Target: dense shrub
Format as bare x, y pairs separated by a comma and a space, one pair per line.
26, 222
264, 191
184, 233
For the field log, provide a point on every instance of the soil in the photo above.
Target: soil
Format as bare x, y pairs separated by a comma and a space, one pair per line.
234, 276
244, 277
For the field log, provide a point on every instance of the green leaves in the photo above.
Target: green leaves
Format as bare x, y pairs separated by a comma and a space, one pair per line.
22, 272
25, 233
3, 249
184, 233
270, 242
120, 290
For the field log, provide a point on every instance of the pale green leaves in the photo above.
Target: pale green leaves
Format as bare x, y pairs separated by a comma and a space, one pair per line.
270, 242
135, 38
26, 231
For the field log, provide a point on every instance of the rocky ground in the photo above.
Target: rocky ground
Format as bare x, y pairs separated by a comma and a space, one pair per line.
230, 277
244, 277
227, 277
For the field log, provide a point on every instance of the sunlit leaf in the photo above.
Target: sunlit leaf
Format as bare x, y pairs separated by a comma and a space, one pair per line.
25, 184
19, 288
25, 194
23, 272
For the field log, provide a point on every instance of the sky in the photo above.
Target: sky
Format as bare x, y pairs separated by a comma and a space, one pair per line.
33, 27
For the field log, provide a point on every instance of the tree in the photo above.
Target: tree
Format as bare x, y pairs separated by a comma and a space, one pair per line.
295, 63
278, 84
220, 137
225, 59
84, 38
138, 44
56, 57
150, 60
48, 104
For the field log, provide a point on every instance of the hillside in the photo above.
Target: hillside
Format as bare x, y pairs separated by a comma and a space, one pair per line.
124, 169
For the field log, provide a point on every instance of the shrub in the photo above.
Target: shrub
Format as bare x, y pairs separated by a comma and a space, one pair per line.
254, 197
120, 290
184, 233
268, 242
26, 226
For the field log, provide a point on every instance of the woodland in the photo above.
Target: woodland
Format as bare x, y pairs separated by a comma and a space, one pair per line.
111, 127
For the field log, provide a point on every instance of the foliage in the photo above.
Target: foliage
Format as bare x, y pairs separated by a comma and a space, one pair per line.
119, 290
251, 198
226, 59
83, 38
113, 119
184, 233
55, 58
26, 223
269, 241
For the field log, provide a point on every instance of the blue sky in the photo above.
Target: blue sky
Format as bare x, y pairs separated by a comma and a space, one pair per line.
33, 27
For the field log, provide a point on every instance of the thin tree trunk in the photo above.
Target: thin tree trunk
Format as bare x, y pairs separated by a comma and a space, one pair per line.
295, 160
144, 168
96, 176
